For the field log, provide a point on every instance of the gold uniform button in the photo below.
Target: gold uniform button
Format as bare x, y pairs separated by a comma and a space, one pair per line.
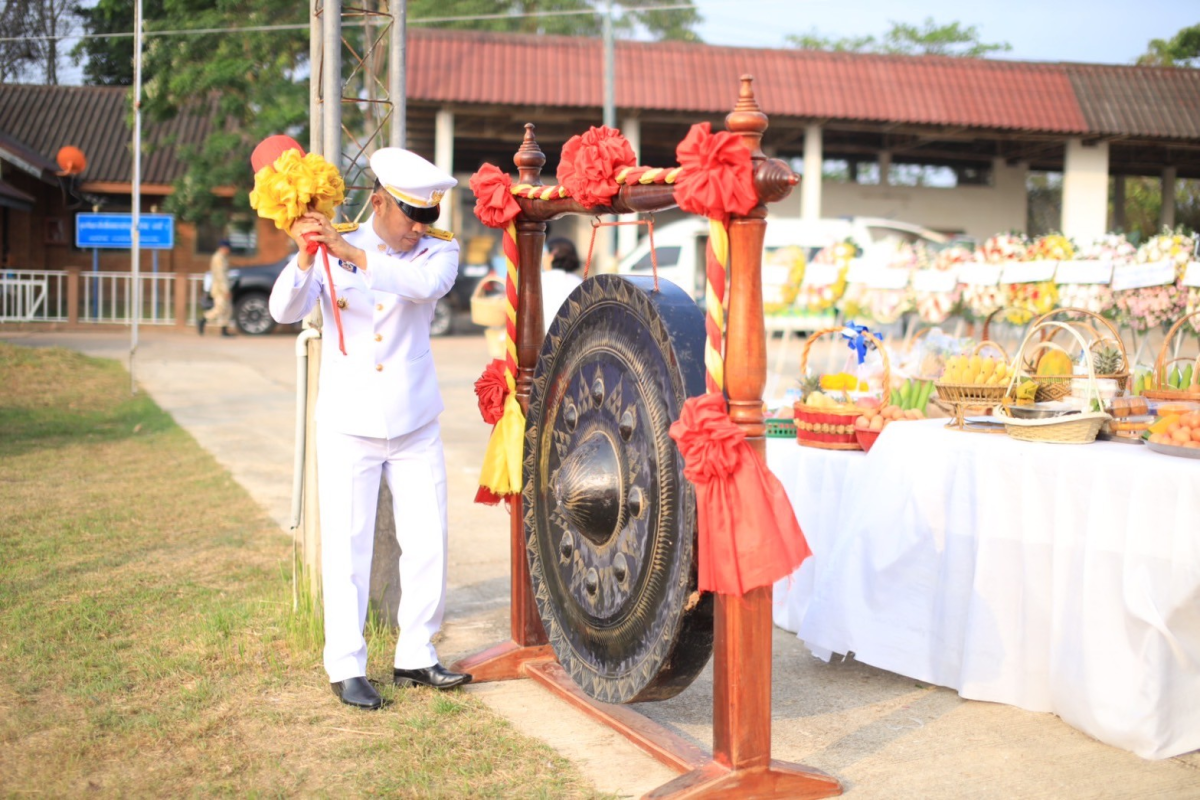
341, 302
379, 306
379, 337
379, 367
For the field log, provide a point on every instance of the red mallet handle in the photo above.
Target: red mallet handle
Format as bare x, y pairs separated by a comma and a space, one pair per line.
337, 312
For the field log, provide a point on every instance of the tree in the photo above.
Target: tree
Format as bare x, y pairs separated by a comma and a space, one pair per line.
257, 82
904, 39
109, 61
37, 25
250, 81
1181, 50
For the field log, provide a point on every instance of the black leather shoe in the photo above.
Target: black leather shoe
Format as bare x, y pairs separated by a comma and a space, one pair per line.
436, 676
357, 692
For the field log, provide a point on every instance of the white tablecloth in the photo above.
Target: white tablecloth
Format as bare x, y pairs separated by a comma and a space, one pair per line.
1058, 578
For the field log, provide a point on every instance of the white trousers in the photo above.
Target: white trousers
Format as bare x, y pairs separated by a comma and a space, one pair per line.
348, 474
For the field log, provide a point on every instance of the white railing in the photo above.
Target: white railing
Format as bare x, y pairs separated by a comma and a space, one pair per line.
33, 296
102, 297
107, 297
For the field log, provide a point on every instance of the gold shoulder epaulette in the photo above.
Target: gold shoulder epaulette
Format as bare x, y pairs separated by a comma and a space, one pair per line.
438, 233
345, 227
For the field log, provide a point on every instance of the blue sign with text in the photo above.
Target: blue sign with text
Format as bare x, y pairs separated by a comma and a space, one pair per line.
156, 231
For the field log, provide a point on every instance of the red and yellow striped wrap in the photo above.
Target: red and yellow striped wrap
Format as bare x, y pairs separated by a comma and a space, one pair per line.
647, 175
501, 473
716, 264
511, 259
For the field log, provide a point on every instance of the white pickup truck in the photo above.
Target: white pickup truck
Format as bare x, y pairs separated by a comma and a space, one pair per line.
680, 245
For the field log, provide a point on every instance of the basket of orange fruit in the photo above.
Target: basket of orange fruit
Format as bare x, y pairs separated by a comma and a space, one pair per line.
825, 417
1176, 434
907, 403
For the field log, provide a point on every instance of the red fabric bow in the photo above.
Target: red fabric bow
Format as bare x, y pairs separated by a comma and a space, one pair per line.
718, 175
494, 204
590, 163
491, 390
733, 484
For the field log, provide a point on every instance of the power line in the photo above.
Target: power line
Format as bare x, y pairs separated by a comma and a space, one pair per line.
305, 26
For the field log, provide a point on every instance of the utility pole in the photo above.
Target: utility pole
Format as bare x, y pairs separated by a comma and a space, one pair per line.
135, 295
609, 247
398, 74
610, 70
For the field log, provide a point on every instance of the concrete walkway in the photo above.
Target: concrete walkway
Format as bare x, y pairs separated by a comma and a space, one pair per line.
881, 735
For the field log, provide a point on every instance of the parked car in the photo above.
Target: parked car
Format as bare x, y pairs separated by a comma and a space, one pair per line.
251, 287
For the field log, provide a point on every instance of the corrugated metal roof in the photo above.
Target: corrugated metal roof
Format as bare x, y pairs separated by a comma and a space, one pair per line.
26, 158
1138, 101
476, 67
93, 118
13, 197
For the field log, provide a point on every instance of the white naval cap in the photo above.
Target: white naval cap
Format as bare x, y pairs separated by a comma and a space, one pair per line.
409, 178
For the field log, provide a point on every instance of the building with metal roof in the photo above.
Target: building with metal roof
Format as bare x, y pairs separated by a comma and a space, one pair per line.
986, 124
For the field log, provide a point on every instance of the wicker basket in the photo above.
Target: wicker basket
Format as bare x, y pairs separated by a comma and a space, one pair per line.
1078, 428
489, 311
1056, 387
832, 428
974, 395
780, 428
1162, 367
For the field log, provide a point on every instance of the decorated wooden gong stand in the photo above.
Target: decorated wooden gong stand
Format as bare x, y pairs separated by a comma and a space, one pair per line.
590, 558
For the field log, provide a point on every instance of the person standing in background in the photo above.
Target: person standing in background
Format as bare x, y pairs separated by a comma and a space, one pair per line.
220, 292
559, 277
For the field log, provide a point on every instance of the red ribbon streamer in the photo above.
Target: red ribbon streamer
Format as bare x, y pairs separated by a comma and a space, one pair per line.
748, 534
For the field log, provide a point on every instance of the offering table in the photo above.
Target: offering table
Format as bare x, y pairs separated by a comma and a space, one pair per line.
1060, 578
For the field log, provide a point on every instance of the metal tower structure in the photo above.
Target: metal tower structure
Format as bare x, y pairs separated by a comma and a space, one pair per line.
357, 86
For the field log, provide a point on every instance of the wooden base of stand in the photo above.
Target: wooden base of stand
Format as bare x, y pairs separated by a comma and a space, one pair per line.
503, 662
655, 740
780, 779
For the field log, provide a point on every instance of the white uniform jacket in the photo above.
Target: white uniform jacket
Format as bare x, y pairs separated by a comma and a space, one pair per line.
385, 385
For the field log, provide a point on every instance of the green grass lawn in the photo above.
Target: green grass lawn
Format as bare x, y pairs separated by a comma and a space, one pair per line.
147, 637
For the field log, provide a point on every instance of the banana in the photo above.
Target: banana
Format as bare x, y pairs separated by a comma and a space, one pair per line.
951, 373
974, 364
986, 370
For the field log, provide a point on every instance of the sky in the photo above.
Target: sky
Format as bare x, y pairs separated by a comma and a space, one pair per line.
1093, 31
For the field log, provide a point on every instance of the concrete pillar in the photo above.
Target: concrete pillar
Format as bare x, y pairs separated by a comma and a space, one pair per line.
1010, 181
443, 158
73, 295
1118, 203
1085, 190
810, 186
181, 284
1166, 217
885, 167
627, 235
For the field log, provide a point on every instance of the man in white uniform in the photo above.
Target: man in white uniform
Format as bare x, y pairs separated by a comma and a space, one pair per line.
377, 414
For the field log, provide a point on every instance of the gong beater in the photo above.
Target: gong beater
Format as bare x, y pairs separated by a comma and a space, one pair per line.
610, 520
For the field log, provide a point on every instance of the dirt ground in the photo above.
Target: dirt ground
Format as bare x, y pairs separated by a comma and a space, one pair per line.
882, 735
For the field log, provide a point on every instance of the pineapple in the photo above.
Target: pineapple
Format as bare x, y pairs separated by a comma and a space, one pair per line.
1107, 361
808, 385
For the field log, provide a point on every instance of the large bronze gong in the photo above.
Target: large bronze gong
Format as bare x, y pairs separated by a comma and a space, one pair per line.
610, 521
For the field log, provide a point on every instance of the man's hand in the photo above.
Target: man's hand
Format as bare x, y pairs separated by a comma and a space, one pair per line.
321, 230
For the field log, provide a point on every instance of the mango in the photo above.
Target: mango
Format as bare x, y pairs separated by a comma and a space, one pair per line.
1054, 362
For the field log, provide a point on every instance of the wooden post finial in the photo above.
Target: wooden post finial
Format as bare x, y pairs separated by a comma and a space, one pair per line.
747, 118
529, 158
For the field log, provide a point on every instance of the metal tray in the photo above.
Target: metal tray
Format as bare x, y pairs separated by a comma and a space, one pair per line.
1174, 450
1108, 437
1036, 412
